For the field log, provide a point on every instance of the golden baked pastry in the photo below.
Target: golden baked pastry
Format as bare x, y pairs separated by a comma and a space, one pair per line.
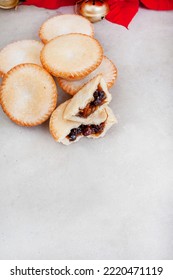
65, 24
106, 68
25, 51
28, 94
92, 97
71, 56
104, 127
67, 132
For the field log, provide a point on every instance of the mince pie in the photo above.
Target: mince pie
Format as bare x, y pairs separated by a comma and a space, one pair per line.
65, 24
71, 56
92, 97
67, 132
25, 51
28, 94
106, 68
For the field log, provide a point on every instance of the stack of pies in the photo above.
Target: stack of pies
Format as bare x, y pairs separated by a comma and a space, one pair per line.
70, 53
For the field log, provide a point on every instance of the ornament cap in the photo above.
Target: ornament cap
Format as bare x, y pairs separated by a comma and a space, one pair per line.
8, 4
94, 10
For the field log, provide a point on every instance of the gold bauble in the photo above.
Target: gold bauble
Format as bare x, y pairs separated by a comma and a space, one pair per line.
94, 10
8, 4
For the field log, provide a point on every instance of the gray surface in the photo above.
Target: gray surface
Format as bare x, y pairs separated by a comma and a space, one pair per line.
105, 199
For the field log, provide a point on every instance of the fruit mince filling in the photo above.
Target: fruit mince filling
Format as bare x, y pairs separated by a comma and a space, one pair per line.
99, 99
86, 130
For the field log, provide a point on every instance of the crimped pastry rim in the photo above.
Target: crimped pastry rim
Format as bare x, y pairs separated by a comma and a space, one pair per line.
2, 74
45, 41
67, 75
51, 130
70, 90
15, 42
54, 97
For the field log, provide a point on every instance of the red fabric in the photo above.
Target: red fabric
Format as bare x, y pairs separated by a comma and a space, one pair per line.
50, 4
158, 4
121, 11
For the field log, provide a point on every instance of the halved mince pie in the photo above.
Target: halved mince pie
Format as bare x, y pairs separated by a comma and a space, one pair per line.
90, 99
67, 132
110, 120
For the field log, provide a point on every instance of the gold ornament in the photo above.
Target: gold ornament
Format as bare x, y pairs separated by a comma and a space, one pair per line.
94, 10
8, 4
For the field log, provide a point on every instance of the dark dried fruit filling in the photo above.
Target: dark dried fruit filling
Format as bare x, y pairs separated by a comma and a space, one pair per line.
99, 99
85, 130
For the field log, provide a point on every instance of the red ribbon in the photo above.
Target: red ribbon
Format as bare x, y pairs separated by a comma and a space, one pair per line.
121, 11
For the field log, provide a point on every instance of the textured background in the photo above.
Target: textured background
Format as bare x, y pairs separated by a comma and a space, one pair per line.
105, 199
